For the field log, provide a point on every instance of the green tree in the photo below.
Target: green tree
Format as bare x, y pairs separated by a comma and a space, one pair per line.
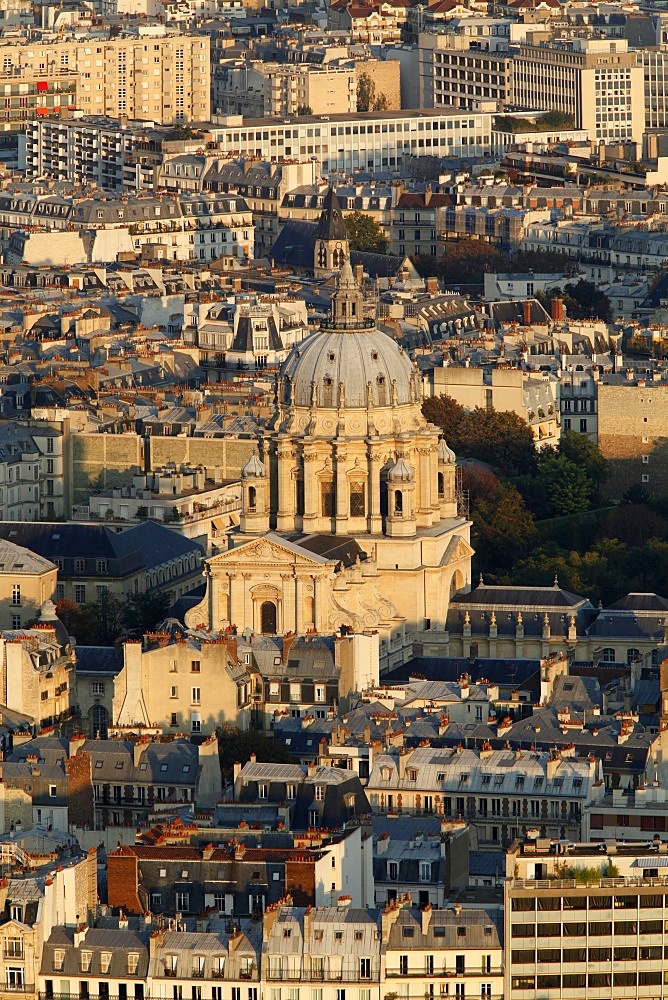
367, 97
498, 437
583, 300
364, 233
567, 486
503, 528
449, 415
236, 746
584, 452
142, 612
304, 109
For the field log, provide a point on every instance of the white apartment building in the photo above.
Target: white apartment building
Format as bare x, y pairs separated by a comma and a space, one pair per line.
597, 81
370, 140
32, 474
500, 793
151, 73
461, 71
585, 920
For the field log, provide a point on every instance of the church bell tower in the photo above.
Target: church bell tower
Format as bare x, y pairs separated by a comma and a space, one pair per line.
331, 239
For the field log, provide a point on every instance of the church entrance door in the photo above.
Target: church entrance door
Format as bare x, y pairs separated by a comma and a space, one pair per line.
268, 618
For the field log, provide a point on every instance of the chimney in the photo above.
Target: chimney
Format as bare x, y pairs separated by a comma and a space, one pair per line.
426, 918
207, 853
138, 750
458, 909
383, 843
387, 919
80, 935
239, 852
527, 313
311, 770
557, 310
76, 742
431, 285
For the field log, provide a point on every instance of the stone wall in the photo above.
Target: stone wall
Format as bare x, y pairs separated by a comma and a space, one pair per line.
633, 436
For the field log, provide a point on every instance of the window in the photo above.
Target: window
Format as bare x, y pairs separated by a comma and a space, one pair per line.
327, 499
319, 793
53, 791
365, 968
194, 666
105, 962
196, 696
80, 593
357, 500
16, 621
102, 565
182, 901
195, 723
425, 871
79, 565
16, 595
133, 962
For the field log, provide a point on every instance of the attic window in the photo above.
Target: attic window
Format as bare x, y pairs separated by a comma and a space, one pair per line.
98, 763
287, 932
185, 769
163, 767
411, 774
143, 766
317, 935
408, 931
184, 873
577, 782
486, 778
463, 779
338, 935
558, 782
461, 932
163, 873
358, 935
119, 765
439, 931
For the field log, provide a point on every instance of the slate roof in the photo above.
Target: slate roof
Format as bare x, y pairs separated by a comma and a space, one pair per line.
116, 943
331, 225
98, 660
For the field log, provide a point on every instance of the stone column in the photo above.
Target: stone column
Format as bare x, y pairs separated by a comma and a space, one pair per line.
433, 479
341, 481
247, 605
232, 595
285, 516
423, 512
375, 459
287, 622
317, 603
299, 605
311, 498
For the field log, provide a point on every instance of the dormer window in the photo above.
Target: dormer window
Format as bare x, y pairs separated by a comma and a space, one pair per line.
411, 774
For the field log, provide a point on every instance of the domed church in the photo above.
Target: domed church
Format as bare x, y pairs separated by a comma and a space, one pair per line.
349, 515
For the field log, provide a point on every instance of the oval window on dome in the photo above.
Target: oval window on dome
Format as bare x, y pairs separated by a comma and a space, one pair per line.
331, 356
374, 355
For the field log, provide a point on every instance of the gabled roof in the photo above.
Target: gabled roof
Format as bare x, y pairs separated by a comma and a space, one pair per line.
331, 225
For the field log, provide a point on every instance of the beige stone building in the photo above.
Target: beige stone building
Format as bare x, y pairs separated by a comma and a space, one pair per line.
632, 434
37, 670
351, 517
155, 75
183, 686
27, 580
535, 400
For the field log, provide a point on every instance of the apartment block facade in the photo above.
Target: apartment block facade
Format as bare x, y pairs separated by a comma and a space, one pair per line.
585, 920
371, 140
597, 81
456, 71
154, 75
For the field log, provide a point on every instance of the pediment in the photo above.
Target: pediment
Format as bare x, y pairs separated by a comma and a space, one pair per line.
458, 549
269, 550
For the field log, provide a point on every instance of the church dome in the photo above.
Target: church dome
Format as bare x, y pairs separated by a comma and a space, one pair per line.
446, 455
348, 362
254, 469
400, 472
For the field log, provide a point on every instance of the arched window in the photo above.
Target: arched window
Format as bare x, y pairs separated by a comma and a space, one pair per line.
608, 655
252, 497
398, 503
357, 500
268, 618
632, 656
441, 484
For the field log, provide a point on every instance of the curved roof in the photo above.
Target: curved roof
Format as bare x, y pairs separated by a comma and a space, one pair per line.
354, 359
